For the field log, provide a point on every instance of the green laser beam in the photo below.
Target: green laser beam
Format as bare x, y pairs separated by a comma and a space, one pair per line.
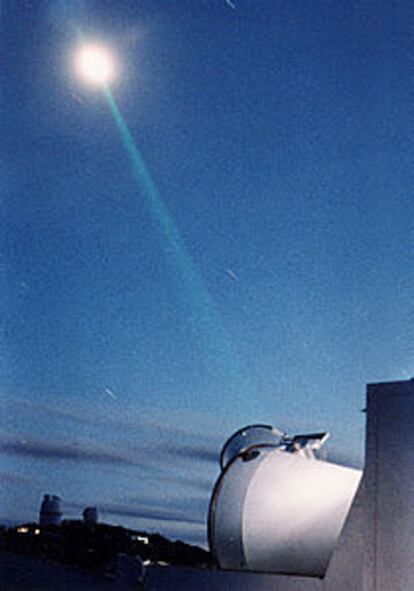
217, 345
156, 206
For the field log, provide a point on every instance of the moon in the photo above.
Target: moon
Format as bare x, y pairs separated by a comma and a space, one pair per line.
95, 64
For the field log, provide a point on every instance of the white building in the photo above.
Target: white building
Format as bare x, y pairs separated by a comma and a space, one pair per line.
50, 510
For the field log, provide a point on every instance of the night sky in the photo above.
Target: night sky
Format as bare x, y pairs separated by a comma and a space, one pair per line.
278, 137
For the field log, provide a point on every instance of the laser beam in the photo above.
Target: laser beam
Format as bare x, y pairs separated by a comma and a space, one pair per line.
216, 345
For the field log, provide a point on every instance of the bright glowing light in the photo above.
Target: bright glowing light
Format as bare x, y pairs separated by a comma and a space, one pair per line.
95, 64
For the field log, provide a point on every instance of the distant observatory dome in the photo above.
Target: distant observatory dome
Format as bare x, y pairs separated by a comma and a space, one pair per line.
50, 510
90, 515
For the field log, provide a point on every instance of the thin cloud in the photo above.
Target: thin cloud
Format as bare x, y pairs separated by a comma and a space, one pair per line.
151, 513
14, 478
157, 467
195, 452
52, 450
195, 506
191, 510
202, 484
152, 424
161, 440
53, 411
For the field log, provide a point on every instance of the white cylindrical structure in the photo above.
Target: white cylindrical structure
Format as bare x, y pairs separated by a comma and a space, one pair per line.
277, 508
50, 510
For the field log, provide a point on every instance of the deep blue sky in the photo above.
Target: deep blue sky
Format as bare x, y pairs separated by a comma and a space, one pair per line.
279, 135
